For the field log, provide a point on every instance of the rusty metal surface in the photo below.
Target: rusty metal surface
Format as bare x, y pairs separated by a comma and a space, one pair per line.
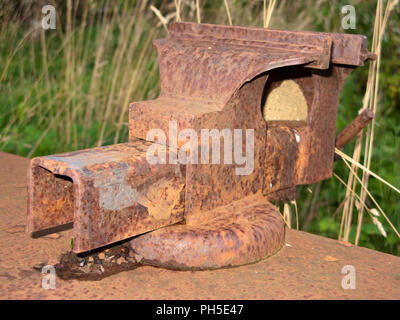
347, 49
213, 185
298, 271
317, 138
280, 166
212, 77
232, 55
244, 231
354, 127
109, 193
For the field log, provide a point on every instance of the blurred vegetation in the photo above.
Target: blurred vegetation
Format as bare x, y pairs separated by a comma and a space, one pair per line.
69, 88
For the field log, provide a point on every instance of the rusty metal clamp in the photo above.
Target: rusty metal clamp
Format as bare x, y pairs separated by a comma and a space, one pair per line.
283, 85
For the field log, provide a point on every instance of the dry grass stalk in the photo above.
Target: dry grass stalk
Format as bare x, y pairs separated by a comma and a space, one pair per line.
133, 84
370, 101
294, 203
373, 212
371, 197
89, 93
198, 11
369, 172
178, 10
228, 12
287, 215
163, 20
268, 11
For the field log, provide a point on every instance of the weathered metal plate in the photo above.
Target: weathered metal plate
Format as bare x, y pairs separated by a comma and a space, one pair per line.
347, 49
109, 193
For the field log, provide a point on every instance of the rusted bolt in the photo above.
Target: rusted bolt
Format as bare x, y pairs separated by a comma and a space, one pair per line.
354, 127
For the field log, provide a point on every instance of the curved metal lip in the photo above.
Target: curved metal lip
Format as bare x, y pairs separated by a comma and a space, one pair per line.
243, 232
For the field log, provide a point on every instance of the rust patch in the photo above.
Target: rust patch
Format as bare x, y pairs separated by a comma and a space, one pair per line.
109, 193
